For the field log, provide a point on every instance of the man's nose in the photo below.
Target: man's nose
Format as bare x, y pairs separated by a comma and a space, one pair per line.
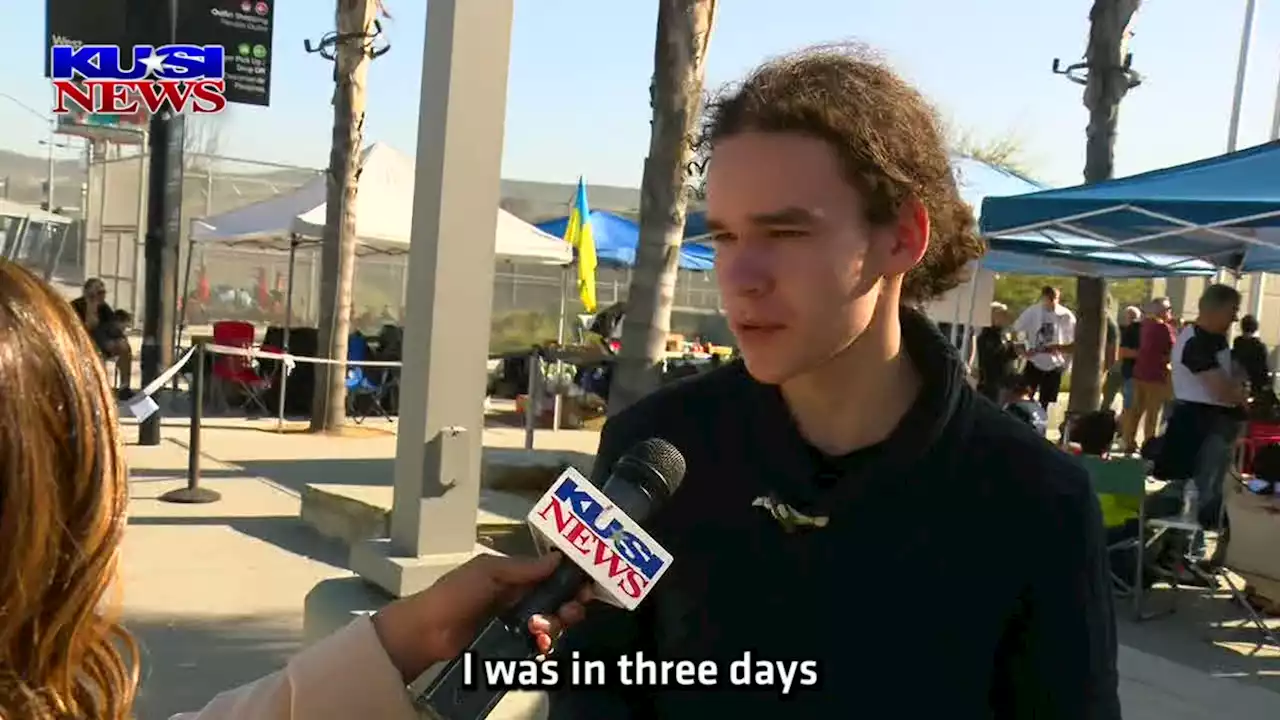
745, 273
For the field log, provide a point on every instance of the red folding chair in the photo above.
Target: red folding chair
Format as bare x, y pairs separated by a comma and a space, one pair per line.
1257, 436
238, 371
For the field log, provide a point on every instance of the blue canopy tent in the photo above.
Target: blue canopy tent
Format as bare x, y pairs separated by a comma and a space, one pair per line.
617, 238
1225, 210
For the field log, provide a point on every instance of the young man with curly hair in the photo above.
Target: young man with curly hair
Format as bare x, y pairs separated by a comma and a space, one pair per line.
955, 565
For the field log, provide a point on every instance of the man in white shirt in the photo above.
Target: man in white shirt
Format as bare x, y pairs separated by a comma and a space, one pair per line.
1049, 333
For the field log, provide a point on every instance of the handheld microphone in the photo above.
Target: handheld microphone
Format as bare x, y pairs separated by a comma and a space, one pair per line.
598, 530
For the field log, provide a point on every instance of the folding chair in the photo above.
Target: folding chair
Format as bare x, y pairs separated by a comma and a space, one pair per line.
238, 371
1250, 549
360, 383
1123, 481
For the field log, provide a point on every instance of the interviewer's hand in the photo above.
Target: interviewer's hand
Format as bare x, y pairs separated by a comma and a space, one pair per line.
438, 623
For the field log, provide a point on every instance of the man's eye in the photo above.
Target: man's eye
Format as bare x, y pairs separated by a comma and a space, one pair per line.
784, 233
720, 238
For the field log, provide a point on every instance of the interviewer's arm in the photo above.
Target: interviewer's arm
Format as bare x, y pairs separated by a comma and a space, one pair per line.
1057, 659
346, 675
607, 632
361, 671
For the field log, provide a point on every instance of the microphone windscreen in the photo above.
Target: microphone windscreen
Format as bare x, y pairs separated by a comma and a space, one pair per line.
663, 458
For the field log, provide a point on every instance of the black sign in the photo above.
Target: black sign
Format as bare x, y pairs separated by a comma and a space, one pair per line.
241, 27
87, 22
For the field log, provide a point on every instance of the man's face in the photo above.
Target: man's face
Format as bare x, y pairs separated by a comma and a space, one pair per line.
95, 292
800, 269
1130, 316
1049, 300
1162, 311
999, 318
1218, 319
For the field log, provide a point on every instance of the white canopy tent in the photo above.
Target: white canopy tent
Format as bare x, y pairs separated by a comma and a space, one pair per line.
384, 221
384, 217
384, 224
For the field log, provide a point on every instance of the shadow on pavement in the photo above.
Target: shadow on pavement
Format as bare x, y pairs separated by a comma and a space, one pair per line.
297, 473
1207, 632
286, 532
187, 661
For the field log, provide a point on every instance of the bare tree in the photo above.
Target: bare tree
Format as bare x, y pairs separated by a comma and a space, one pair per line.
1108, 80
679, 64
203, 135
355, 27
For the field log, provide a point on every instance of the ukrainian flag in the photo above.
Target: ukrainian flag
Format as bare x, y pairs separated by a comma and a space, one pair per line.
578, 234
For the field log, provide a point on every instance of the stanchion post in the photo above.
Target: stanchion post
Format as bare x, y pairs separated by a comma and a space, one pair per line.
531, 399
193, 493
284, 386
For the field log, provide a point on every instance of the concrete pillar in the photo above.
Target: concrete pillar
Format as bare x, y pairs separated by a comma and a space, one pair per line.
456, 193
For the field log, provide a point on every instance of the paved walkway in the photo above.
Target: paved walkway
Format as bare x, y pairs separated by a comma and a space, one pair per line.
214, 592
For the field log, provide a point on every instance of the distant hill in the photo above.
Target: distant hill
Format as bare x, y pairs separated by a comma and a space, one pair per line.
24, 177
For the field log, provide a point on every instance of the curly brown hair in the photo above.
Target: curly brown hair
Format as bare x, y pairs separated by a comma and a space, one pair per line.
889, 140
63, 494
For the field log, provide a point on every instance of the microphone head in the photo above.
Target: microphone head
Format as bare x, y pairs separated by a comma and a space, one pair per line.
661, 467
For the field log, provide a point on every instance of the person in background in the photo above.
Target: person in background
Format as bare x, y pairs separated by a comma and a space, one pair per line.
1095, 433
64, 491
1251, 353
1151, 386
996, 355
1120, 377
1022, 404
1209, 400
1050, 331
105, 330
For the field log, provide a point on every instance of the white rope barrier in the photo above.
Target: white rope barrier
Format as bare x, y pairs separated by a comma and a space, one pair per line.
290, 360
142, 405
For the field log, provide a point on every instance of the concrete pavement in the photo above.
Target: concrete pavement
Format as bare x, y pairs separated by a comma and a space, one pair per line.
215, 592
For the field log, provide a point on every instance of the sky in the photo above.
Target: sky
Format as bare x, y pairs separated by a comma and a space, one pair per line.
578, 95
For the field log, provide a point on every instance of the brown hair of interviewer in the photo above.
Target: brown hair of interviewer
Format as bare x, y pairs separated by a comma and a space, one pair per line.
889, 140
63, 494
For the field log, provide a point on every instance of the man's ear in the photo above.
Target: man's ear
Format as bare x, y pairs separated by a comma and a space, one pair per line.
911, 236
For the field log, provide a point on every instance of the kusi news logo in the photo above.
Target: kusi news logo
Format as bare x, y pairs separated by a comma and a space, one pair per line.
94, 79
619, 555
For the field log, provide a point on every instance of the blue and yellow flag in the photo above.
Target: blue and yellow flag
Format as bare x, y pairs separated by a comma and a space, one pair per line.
578, 234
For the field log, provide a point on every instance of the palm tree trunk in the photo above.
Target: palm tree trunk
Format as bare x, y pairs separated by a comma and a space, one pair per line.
679, 63
1106, 87
338, 249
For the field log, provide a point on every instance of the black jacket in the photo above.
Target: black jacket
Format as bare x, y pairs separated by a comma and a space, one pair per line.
962, 573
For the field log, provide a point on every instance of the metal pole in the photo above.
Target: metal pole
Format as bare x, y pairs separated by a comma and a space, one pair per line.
157, 341
288, 324
1275, 116
559, 400
53, 127
1258, 292
1242, 65
193, 493
1233, 129
531, 401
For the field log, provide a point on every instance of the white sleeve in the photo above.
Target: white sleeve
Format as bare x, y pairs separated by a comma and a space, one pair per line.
1025, 326
1069, 329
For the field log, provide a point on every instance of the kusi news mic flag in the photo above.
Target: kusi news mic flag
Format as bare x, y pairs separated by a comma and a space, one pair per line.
598, 529
578, 234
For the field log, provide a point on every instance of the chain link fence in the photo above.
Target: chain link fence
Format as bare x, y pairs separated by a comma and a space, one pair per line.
218, 282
